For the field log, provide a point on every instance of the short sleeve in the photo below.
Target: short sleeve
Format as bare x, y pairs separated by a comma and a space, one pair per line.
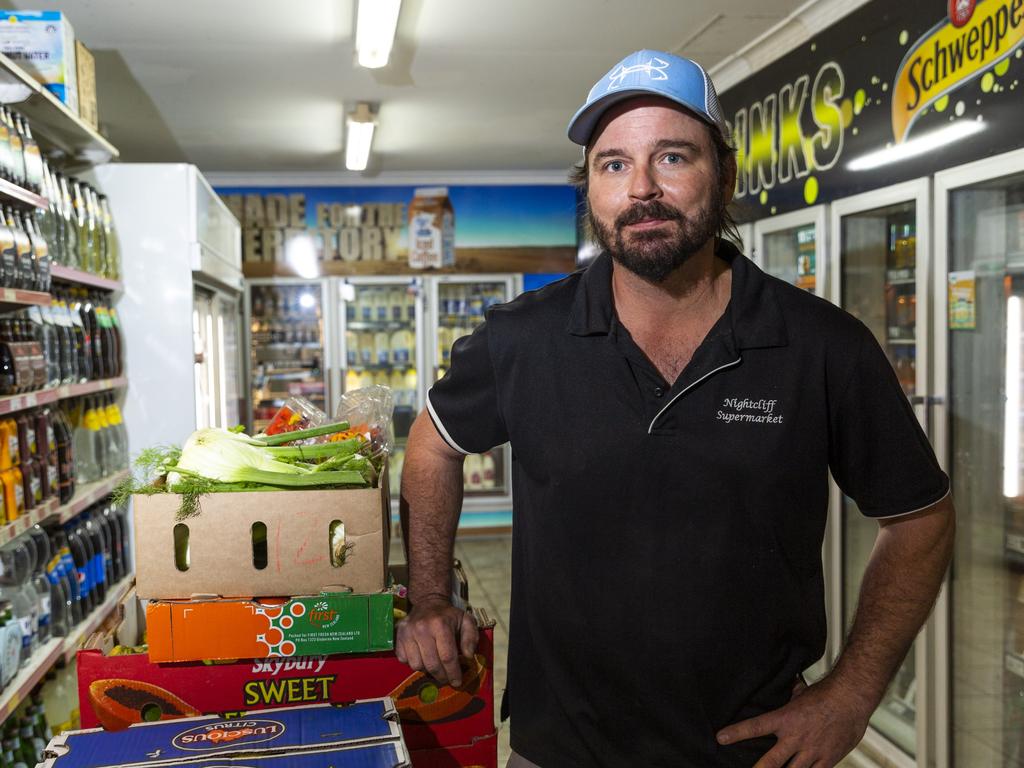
464, 404
878, 453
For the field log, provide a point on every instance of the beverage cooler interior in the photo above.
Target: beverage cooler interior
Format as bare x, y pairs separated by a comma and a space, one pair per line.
380, 333
460, 304
877, 258
986, 253
286, 350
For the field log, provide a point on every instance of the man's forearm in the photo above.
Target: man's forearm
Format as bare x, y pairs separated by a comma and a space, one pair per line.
902, 579
431, 501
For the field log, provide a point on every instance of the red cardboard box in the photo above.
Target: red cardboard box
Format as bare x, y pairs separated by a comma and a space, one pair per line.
482, 753
117, 690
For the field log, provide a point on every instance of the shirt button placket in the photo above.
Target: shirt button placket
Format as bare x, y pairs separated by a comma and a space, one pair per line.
658, 392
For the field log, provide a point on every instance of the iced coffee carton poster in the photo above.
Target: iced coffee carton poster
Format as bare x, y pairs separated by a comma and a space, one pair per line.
388, 230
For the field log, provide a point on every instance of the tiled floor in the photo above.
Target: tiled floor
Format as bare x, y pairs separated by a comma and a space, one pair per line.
487, 563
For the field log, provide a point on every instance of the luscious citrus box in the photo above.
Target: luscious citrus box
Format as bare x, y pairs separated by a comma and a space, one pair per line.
364, 734
224, 628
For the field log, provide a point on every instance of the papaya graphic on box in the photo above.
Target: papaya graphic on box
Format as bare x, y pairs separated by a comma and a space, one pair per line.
421, 699
119, 703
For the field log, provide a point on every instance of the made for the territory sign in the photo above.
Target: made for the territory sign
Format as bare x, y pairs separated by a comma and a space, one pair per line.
891, 92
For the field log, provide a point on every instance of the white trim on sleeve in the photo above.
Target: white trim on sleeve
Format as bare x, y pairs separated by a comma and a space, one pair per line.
911, 512
440, 428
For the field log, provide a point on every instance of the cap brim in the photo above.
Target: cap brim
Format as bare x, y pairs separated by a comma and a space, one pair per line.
583, 123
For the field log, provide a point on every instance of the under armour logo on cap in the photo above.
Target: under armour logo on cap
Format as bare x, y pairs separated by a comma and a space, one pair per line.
649, 73
654, 69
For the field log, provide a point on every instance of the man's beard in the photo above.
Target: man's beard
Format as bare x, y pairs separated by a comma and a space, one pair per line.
656, 254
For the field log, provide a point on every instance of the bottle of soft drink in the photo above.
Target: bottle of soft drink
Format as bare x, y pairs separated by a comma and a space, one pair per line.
81, 554
90, 528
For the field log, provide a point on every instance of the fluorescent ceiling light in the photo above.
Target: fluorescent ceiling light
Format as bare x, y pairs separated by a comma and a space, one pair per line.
376, 21
359, 127
919, 145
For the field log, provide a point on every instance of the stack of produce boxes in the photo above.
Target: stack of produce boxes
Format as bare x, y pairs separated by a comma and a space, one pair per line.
216, 644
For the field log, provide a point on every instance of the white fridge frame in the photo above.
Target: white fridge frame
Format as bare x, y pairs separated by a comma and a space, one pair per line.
326, 343
917, 191
945, 182
514, 286
816, 215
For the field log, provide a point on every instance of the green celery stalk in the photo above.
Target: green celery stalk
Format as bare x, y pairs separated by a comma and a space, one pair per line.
302, 434
315, 451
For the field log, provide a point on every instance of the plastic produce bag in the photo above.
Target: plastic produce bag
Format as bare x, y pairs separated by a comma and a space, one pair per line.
296, 413
369, 410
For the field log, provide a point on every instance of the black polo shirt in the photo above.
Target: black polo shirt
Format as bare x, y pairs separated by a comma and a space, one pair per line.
666, 572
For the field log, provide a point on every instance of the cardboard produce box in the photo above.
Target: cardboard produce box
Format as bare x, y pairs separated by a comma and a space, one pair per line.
43, 44
116, 691
299, 554
86, 67
279, 737
219, 628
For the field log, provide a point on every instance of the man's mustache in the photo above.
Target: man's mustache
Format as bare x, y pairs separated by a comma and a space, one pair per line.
643, 211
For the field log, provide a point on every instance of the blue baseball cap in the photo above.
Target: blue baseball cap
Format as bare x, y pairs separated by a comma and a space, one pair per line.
649, 73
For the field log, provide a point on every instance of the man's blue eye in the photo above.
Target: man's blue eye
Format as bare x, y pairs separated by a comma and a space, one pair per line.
615, 165
673, 159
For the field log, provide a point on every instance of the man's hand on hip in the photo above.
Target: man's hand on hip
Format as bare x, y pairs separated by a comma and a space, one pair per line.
816, 729
431, 638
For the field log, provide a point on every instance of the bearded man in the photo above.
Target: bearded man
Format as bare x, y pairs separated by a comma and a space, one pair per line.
674, 414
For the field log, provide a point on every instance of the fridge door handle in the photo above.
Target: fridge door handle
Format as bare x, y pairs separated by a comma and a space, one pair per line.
928, 402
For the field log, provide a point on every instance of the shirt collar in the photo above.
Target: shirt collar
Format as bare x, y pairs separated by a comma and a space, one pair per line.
757, 319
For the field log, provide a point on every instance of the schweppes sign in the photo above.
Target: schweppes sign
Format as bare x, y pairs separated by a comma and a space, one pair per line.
954, 51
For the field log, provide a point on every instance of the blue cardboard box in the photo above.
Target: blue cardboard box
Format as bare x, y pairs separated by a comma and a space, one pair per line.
318, 735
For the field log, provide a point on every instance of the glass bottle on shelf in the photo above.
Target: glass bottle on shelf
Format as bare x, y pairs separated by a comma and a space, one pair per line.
6, 160
33, 157
113, 252
97, 250
17, 148
83, 236
40, 253
69, 229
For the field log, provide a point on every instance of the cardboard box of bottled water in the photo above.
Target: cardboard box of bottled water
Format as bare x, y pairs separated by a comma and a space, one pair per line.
43, 44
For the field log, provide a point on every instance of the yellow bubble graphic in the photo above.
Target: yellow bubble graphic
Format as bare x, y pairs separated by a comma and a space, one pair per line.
942, 103
846, 109
858, 100
904, 36
1002, 67
960, 109
885, 87
987, 81
814, 46
875, 80
774, 209
1020, 52
764, 196
855, 131
810, 190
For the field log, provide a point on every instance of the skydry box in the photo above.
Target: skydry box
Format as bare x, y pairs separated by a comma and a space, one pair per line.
263, 543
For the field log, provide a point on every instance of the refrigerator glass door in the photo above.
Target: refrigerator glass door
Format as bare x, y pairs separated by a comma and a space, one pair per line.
878, 285
205, 358
227, 322
287, 349
792, 247
380, 336
985, 336
460, 305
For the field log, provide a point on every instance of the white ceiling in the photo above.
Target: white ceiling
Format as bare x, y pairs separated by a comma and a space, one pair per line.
261, 86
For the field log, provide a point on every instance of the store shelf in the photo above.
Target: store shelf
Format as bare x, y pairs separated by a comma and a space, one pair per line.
12, 193
15, 403
29, 676
53, 124
92, 622
52, 511
56, 649
380, 325
86, 496
901, 341
78, 277
12, 299
1015, 665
